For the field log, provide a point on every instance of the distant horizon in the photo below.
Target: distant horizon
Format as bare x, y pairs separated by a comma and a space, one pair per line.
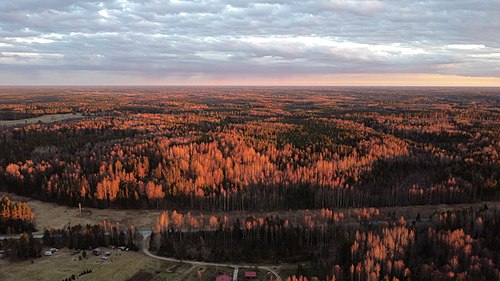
238, 86
333, 80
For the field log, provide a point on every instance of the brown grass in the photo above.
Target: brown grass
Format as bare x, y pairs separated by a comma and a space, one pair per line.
120, 266
42, 119
51, 215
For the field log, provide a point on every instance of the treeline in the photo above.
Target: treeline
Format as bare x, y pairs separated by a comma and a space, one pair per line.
254, 239
76, 237
26, 247
15, 217
92, 236
452, 245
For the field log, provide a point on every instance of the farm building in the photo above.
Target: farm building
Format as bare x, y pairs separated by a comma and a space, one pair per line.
250, 274
223, 277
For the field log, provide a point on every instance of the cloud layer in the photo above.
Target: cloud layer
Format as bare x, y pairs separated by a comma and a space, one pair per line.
203, 40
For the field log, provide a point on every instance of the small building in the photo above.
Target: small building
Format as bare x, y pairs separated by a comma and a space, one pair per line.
223, 277
250, 274
48, 253
104, 258
96, 251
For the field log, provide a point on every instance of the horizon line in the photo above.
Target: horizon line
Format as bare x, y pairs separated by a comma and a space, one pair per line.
243, 85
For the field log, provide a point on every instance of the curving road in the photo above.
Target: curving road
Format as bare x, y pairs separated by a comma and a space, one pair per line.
147, 233
200, 263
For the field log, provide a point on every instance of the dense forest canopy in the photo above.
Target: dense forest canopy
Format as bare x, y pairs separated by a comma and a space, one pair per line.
252, 148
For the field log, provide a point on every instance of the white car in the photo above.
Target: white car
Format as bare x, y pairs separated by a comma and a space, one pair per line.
48, 253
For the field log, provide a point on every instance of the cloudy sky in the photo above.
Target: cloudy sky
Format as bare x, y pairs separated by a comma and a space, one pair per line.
243, 42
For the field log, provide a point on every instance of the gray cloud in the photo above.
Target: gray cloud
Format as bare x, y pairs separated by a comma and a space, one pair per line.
192, 38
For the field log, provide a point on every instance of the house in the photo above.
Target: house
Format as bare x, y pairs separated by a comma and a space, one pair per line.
223, 277
250, 274
96, 251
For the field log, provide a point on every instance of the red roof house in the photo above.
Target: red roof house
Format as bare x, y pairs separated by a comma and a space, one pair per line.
224, 277
250, 274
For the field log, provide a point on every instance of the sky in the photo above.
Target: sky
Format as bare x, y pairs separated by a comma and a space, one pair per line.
242, 42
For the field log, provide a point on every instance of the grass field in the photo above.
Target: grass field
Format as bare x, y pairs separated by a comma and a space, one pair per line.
120, 266
42, 119
123, 265
50, 215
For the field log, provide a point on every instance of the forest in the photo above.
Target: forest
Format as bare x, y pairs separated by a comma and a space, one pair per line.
224, 149
450, 245
15, 217
265, 175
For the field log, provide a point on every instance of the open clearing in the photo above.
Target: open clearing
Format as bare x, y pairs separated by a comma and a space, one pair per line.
51, 215
120, 266
123, 265
42, 119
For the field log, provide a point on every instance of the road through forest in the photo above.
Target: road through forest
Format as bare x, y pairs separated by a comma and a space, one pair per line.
269, 268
